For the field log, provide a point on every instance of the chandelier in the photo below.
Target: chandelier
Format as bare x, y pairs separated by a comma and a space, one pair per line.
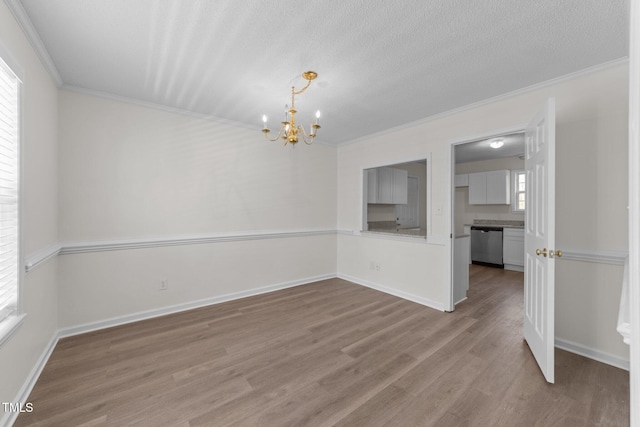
289, 131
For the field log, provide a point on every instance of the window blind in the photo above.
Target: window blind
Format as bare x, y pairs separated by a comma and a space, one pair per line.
9, 190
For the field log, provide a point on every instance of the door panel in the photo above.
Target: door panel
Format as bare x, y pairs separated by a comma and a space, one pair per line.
539, 330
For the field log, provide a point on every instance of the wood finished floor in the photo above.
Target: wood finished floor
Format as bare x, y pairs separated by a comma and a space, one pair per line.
328, 353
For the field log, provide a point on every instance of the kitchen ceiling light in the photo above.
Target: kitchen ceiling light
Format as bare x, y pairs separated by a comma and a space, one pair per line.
289, 131
496, 143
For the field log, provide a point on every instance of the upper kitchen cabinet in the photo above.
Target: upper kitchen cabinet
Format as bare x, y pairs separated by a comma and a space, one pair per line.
387, 186
462, 180
490, 188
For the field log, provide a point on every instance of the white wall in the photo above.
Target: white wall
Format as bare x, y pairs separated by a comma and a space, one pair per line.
131, 172
21, 353
591, 160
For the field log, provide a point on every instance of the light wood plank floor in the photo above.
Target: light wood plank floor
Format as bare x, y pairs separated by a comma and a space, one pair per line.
328, 353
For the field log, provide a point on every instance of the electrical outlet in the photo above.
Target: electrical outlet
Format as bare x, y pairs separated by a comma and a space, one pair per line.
164, 285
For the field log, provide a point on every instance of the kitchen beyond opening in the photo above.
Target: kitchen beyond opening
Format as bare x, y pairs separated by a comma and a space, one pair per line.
489, 206
395, 199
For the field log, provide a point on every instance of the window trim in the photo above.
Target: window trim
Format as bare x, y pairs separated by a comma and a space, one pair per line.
10, 325
514, 191
363, 230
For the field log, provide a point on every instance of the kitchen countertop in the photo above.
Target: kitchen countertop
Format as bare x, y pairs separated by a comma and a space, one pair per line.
497, 223
417, 232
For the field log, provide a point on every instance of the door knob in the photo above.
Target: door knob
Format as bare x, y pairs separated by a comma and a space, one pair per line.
542, 252
553, 253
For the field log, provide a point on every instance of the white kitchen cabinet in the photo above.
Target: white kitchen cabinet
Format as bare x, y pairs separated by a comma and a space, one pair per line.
478, 188
372, 186
387, 186
513, 249
462, 180
490, 188
498, 187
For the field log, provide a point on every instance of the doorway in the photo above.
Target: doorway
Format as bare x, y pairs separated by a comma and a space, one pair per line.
488, 200
538, 229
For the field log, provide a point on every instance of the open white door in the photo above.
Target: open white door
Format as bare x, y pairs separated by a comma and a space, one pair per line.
539, 287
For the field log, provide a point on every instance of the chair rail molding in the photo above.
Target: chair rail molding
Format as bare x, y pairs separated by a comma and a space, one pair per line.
594, 255
38, 258
114, 245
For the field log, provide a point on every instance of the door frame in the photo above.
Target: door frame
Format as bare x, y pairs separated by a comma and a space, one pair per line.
634, 210
450, 303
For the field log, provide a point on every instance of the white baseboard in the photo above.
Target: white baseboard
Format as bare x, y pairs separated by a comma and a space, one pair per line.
404, 295
135, 317
459, 301
591, 353
9, 418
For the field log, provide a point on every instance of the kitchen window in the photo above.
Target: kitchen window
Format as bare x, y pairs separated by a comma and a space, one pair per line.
518, 185
10, 273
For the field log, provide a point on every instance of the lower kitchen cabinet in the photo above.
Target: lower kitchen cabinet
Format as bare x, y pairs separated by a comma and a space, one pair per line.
513, 249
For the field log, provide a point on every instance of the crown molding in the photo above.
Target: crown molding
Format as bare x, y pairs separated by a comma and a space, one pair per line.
34, 38
487, 101
167, 109
153, 106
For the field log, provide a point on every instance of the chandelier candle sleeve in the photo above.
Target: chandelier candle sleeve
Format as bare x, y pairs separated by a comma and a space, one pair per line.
289, 131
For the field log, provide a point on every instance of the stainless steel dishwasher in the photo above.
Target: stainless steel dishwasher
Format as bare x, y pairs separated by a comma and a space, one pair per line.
486, 246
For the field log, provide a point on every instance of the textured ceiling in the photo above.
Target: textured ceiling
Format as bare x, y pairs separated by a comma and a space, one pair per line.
380, 64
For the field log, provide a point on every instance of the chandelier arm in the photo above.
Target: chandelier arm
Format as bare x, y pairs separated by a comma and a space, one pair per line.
279, 135
305, 136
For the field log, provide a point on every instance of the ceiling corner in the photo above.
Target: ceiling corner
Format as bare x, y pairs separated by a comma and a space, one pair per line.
34, 38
